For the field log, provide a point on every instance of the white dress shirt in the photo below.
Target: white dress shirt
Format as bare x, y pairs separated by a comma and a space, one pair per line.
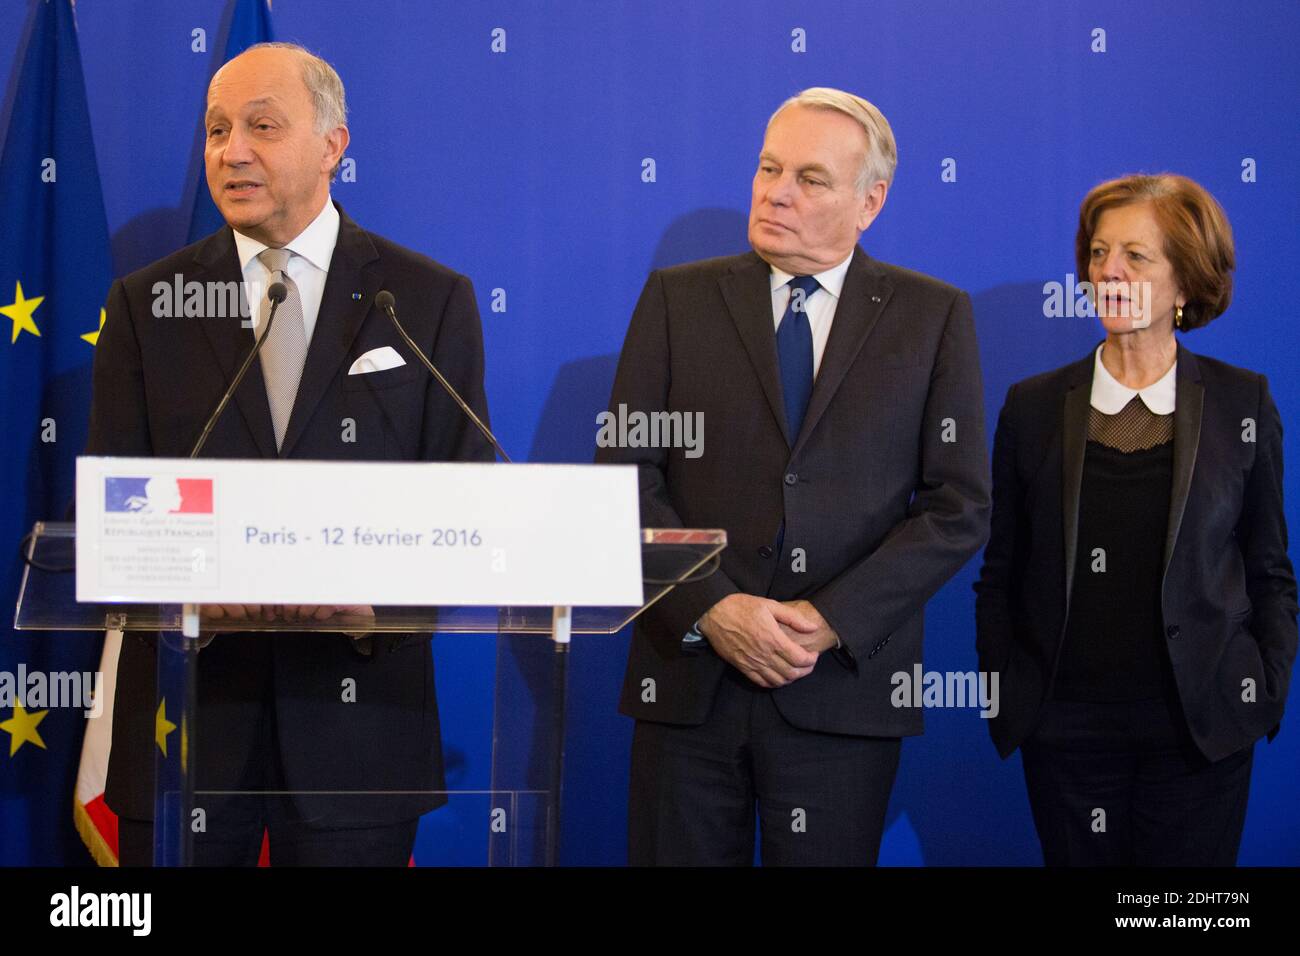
1110, 396
820, 306
308, 266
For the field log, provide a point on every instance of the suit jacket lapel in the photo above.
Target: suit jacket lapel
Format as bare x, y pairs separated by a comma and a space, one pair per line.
351, 271
865, 294
1074, 444
748, 294
1189, 398
216, 259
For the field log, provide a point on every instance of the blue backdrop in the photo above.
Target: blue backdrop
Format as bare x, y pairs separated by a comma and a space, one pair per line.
523, 169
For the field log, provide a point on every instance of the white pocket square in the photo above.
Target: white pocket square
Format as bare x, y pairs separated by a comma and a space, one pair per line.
377, 360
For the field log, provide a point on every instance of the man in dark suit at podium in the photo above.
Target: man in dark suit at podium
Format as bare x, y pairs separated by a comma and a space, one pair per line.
845, 459
273, 716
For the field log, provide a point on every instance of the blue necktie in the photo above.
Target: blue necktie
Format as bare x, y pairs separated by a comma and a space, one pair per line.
795, 347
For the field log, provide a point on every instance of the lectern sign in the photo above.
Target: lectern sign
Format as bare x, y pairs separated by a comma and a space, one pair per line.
180, 531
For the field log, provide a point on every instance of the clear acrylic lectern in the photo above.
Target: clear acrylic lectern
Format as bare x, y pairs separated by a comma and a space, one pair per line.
511, 819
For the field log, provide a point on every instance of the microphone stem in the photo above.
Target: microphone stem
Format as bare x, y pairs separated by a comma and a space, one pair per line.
464, 406
234, 386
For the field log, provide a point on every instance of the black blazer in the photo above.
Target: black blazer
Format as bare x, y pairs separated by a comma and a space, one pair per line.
1228, 595
156, 380
886, 497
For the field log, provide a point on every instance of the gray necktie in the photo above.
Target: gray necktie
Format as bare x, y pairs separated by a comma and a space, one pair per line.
285, 350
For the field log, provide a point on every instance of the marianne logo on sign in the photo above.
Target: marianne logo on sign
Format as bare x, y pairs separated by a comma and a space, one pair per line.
158, 531
192, 496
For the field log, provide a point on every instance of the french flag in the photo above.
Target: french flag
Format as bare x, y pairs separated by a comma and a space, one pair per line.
158, 495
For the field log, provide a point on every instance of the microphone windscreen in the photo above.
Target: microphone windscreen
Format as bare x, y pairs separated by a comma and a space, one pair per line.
277, 292
384, 299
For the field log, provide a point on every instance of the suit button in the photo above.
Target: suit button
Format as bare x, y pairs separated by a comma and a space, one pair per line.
1173, 630
765, 551
791, 478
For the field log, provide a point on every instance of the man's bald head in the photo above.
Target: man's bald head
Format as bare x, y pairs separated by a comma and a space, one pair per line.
318, 77
275, 137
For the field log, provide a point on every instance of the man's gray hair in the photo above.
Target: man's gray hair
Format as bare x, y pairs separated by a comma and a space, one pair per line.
322, 83
882, 152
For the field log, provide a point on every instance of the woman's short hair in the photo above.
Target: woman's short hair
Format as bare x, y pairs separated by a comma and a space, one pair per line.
1198, 238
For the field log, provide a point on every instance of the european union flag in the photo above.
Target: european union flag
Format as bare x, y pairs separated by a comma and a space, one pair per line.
55, 270
250, 24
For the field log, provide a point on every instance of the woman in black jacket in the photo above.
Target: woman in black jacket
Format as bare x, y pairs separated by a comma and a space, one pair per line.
1136, 595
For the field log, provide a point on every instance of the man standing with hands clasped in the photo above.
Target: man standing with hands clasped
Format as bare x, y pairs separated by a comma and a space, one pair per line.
846, 462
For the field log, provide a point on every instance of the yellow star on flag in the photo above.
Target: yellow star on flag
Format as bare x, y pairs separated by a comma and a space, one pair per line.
93, 337
162, 726
20, 310
21, 728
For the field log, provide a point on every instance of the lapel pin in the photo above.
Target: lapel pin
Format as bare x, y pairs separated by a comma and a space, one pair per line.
875, 298
356, 296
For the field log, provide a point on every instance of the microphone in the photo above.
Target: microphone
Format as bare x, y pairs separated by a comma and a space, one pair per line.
276, 292
384, 299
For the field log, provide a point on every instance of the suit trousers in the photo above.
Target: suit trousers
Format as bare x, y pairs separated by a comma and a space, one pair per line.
821, 798
1121, 784
234, 823
291, 845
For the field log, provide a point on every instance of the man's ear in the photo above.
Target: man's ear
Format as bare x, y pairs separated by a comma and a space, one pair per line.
336, 144
873, 200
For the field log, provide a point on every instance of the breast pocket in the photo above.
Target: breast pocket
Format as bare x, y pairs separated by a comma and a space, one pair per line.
388, 378
385, 411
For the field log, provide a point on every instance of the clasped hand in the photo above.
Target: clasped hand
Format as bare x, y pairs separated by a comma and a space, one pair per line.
223, 618
772, 643
289, 613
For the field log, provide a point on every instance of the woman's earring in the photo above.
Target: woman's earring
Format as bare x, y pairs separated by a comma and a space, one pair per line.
1178, 316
